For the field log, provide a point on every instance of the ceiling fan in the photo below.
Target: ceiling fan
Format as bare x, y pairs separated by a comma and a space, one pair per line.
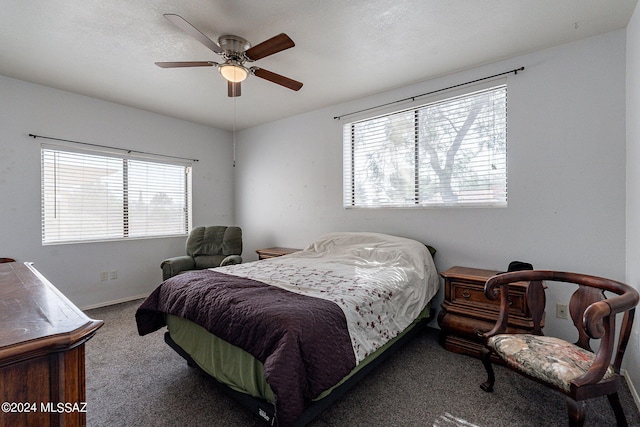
236, 51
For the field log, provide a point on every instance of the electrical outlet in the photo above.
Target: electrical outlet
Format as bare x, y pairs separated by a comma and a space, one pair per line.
113, 275
561, 311
104, 276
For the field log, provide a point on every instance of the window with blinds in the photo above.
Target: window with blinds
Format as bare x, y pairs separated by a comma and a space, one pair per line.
90, 196
447, 153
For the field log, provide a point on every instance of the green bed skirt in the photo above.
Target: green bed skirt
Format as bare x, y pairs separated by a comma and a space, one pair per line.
235, 367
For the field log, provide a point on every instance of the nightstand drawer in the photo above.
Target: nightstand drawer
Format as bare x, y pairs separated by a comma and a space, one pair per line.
473, 295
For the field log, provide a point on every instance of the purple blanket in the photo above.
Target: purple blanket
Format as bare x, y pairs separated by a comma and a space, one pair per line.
302, 341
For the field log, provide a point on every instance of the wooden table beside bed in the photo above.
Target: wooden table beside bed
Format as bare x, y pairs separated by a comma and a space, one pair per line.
275, 252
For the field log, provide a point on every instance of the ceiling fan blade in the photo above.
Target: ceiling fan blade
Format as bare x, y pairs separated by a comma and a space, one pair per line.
269, 47
276, 78
185, 64
233, 89
185, 26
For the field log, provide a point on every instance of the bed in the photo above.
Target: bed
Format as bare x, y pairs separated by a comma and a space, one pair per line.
286, 336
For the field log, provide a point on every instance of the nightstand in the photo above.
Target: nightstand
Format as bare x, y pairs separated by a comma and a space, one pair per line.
275, 252
465, 309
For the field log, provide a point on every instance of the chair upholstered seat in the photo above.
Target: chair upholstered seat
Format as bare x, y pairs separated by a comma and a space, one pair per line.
549, 359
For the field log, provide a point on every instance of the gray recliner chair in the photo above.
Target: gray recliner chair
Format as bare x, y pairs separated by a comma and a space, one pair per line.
207, 247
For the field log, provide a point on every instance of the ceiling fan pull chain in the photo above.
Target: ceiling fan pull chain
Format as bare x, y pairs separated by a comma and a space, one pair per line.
234, 132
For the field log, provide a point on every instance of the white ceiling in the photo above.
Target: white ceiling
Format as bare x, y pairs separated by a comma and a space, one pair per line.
344, 49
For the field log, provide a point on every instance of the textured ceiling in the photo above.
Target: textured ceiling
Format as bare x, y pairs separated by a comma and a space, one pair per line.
344, 49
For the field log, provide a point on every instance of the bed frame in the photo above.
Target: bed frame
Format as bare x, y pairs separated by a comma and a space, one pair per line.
266, 411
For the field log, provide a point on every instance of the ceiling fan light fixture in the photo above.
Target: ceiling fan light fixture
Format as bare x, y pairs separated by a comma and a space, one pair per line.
233, 72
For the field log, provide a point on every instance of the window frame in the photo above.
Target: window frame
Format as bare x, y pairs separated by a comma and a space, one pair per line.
349, 168
127, 159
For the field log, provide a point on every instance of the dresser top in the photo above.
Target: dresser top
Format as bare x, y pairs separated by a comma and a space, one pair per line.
35, 315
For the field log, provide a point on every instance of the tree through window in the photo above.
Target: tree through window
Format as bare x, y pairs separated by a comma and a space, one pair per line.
447, 153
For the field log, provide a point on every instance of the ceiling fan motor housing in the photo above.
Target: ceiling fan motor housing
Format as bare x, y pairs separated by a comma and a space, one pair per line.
233, 47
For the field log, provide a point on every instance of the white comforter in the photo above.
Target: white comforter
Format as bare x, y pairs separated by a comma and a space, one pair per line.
381, 282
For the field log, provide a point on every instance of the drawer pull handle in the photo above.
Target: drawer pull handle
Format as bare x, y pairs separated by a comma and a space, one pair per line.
466, 294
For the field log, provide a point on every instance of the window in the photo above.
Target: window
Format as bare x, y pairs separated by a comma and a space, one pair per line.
448, 153
89, 196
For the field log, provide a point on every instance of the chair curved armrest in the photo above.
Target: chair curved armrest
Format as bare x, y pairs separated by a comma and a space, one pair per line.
231, 260
624, 301
595, 314
599, 323
493, 286
593, 319
172, 266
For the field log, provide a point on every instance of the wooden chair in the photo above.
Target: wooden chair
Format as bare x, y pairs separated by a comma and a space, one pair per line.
572, 369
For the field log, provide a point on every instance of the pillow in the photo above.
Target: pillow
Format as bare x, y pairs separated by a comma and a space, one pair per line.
376, 247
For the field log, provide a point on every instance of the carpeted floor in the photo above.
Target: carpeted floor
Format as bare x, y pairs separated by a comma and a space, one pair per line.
140, 381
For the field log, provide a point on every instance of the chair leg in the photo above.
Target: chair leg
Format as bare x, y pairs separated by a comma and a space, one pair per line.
614, 400
576, 412
485, 355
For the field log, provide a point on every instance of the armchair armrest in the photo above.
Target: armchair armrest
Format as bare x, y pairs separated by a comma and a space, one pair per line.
172, 266
231, 260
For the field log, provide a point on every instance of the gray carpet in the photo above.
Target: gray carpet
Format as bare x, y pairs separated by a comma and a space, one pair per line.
140, 381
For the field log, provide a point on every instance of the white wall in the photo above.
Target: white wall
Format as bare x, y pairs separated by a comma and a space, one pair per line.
566, 173
27, 108
632, 357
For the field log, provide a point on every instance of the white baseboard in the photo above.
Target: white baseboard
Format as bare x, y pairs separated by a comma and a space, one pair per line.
118, 301
632, 389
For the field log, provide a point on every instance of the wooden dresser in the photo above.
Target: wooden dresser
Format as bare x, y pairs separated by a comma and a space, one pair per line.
42, 336
466, 311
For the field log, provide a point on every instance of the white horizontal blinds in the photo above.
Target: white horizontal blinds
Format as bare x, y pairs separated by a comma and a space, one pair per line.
383, 160
88, 197
452, 152
81, 197
465, 143
157, 203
